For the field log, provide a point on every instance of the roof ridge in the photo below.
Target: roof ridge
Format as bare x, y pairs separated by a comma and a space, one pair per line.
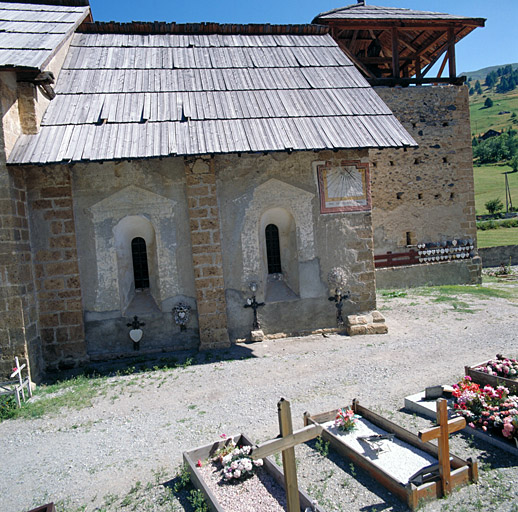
159, 27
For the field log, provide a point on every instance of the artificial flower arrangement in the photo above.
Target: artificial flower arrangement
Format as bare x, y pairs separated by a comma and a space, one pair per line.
346, 419
236, 462
490, 409
501, 367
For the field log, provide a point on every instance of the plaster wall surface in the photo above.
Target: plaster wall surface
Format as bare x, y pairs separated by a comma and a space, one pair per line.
249, 187
142, 193
427, 191
54, 66
10, 116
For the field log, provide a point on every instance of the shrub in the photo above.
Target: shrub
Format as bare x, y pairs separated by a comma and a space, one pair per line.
494, 206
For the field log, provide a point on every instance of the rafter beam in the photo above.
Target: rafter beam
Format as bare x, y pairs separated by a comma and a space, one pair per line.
355, 60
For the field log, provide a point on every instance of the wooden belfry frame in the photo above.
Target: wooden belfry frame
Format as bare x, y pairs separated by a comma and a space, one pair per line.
390, 50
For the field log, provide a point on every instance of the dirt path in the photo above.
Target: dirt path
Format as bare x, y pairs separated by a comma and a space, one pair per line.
138, 425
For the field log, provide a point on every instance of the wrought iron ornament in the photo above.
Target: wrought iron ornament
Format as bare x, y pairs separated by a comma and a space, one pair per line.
182, 315
252, 303
339, 298
136, 332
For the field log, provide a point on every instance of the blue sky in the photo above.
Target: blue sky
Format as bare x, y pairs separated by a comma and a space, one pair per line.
489, 46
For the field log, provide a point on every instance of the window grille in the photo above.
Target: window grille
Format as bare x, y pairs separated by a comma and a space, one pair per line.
273, 249
140, 267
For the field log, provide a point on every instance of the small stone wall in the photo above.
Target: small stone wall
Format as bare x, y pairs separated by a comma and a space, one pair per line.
496, 256
430, 274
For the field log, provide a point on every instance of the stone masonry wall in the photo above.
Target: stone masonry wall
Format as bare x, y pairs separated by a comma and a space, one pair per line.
18, 332
206, 253
58, 284
427, 191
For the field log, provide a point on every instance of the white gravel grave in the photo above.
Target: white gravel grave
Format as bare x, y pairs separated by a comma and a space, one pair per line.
397, 458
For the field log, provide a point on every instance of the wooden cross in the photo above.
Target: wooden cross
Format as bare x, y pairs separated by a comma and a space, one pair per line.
286, 444
18, 372
441, 433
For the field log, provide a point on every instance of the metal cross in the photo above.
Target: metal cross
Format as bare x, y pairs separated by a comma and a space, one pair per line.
252, 303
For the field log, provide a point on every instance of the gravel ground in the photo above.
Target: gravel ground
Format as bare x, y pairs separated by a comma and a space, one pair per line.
123, 451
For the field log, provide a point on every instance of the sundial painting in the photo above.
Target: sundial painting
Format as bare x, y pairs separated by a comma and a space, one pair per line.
343, 187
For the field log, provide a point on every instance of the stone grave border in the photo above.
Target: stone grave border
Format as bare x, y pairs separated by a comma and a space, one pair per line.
462, 472
417, 403
207, 451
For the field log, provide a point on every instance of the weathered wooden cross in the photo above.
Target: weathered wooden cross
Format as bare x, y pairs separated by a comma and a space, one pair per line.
286, 444
12, 388
441, 433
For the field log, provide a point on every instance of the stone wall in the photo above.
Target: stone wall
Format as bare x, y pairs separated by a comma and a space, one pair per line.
53, 242
207, 253
425, 194
22, 107
18, 315
430, 274
497, 256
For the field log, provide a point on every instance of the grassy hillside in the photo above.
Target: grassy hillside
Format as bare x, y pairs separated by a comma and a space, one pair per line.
482, 73
482, 118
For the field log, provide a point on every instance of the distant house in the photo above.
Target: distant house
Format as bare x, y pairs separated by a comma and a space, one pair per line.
489, 134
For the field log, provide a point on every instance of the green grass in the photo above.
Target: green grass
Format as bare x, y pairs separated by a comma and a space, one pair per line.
482, 119
490, 184
497, 237
76, 393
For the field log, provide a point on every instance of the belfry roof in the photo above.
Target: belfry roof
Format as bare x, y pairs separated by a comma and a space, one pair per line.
149, 90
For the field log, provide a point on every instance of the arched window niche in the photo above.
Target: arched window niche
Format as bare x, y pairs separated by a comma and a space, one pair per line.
137, 266
278, 235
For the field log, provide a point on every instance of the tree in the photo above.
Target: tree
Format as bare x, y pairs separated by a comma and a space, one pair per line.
494, 206
478, 87
488, 103
514, 163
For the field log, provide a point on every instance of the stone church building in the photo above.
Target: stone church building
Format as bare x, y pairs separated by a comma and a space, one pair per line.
174, 171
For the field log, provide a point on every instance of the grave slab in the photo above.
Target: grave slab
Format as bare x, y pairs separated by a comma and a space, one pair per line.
418, 404
398, 459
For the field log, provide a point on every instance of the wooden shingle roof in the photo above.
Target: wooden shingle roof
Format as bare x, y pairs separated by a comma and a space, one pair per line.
248, 89
30, 34
361, 11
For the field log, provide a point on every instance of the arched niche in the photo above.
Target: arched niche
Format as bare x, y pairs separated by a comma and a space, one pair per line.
292, 207
126, 230
153, 215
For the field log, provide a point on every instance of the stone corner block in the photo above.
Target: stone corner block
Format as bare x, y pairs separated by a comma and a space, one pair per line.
257, 335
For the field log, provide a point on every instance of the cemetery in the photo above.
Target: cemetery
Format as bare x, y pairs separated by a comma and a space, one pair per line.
167, 420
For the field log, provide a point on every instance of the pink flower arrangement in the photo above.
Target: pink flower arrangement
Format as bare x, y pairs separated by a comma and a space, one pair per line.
501, 367
487, 408
346, 420
236, 461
